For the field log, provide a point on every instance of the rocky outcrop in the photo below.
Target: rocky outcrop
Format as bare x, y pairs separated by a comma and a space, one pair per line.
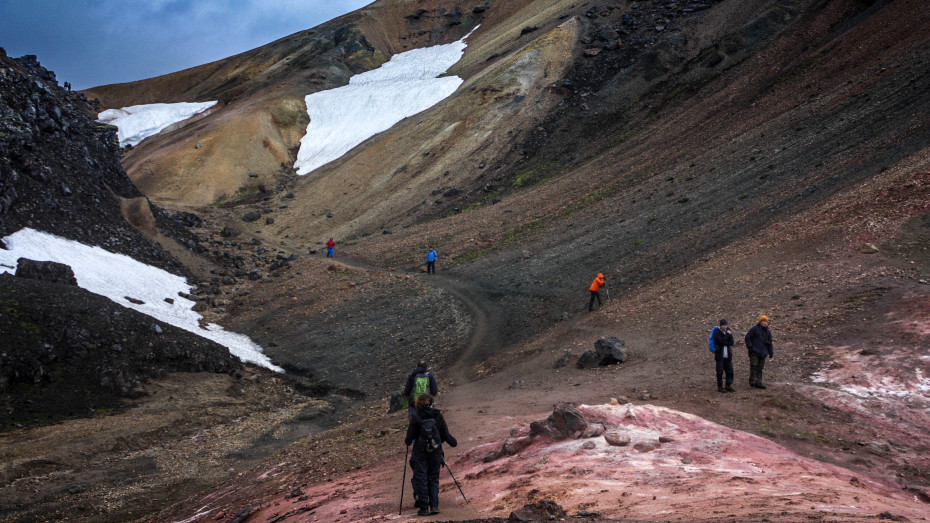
48, 271
60, 170
66, 352
607, 351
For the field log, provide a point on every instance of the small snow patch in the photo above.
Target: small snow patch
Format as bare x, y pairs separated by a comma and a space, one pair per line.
138, 122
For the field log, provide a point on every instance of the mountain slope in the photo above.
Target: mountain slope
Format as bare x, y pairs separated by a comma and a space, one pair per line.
714, 159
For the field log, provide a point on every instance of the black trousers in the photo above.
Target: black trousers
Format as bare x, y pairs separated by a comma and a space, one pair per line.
756, 364
594, 294
724, 365
425, 480
431, 267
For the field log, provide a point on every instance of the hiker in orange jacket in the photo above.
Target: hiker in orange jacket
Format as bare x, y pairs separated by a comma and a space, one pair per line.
595, 287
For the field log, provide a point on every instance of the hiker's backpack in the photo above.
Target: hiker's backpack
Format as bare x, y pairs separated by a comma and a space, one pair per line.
429, 440
710, 340
420, 385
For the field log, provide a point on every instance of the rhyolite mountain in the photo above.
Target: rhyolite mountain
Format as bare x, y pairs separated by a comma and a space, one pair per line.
712, 158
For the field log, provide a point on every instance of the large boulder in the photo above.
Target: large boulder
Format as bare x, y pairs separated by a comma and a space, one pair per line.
566, 421
607, 351
49, 271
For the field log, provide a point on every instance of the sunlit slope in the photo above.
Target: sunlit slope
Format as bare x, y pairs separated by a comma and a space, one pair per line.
253, 135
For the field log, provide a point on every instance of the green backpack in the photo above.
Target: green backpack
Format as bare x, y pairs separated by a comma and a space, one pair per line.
420, 385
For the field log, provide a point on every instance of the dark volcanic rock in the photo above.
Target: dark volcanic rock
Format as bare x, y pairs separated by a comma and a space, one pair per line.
49, 271
67, 352
607, 351
565, 422
544, 510
60, 170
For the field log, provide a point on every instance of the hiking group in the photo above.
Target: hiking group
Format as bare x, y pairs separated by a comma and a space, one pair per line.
426, 431
758, 343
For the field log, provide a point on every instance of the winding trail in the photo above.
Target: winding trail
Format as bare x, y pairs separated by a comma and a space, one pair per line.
489, 318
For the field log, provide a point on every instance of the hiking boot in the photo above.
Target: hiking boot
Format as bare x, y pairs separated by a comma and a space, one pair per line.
729, 389
434, 510
423, 511
721, 389
761, 386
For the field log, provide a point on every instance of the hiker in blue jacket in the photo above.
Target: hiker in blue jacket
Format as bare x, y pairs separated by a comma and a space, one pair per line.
759, 343
426, 462
431, 261
723, 353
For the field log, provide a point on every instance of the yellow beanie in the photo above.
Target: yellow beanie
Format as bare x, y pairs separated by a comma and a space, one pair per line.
763, 318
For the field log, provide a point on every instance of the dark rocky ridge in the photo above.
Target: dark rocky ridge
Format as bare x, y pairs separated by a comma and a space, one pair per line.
66, 351
60, 170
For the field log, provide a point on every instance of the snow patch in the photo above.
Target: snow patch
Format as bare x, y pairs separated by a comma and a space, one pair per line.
116, 276
138, 122
374, 101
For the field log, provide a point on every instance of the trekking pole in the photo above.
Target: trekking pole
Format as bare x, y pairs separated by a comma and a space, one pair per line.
608, 292
403, 481
453, 479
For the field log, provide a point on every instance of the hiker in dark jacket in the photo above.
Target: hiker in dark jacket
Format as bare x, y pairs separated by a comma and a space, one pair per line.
425, 464
759, 343
723, 353
415, 387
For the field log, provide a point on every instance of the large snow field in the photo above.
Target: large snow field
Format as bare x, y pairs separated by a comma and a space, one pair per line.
374, 101
116, 276
138, 122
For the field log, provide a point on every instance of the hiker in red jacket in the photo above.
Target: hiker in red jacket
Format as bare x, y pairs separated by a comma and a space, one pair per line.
330, 248
595, 287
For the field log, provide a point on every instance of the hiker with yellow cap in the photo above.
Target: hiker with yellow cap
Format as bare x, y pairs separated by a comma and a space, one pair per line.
759, 343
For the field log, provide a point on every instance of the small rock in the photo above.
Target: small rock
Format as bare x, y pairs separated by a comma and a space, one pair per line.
868, 249
617, 439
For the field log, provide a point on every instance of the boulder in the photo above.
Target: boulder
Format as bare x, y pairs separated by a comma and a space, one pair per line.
398, 401
565, 422
588, 360
607, 351
514, 445
52, 272
617, 438
251, 216
543, 510
612, 350
230, 232
593, 430
563, 360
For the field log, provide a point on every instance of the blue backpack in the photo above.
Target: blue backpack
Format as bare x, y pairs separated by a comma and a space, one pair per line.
710, 340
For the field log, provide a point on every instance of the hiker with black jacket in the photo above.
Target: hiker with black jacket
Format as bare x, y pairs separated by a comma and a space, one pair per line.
420, 380
723, 353
759, 342
427, 432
